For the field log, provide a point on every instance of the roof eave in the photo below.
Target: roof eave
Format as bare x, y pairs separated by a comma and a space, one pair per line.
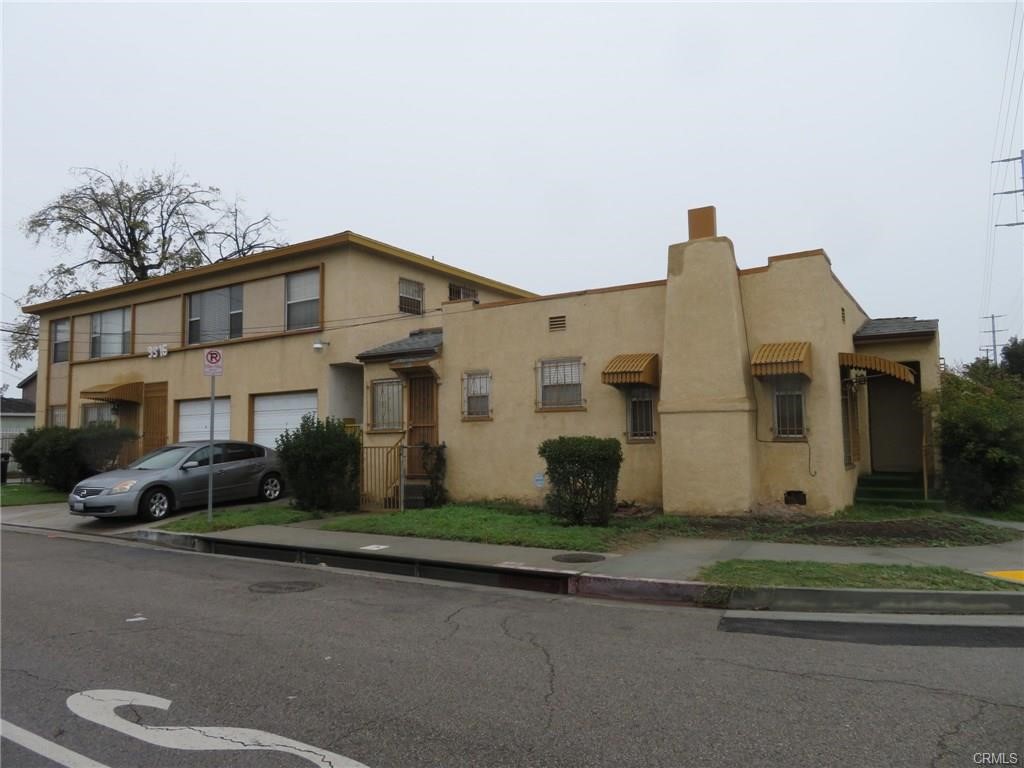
309, 246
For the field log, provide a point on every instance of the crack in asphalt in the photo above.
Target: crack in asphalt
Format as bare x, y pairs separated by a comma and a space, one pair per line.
854, 678
320, 757
942, 749
531, 639
450, 619
55, 685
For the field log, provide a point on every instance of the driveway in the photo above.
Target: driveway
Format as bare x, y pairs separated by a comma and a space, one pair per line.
56, 517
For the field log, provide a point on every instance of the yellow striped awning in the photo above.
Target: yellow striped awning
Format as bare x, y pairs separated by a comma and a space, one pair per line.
782, 358
116, 393
636, 368
876, 364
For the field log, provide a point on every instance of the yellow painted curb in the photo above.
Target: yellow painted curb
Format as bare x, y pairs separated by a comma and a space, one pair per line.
1017, 576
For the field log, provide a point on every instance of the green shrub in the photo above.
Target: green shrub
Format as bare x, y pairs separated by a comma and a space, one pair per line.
23, 451
981, 436
435, 465
320, 461
584, 475
61, 457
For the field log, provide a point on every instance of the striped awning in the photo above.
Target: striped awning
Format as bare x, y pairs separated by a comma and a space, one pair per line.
116, 393
636, 368
876, 364
782, 358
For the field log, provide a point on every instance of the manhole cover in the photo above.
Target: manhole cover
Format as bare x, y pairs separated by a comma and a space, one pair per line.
280, 587
578, 557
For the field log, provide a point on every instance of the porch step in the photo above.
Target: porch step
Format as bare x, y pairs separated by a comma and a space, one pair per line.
896, 489
415, 495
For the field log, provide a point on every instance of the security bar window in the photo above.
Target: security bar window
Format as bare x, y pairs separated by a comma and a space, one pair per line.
215, 315
640, 416
61, 331
58, 416
110, 333
789, 407
387, 404
457, 292
303, 300
410, 297
476, 394
561, 383
98, 413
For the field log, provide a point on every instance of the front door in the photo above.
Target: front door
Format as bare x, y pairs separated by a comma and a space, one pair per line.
422, 420
154, 416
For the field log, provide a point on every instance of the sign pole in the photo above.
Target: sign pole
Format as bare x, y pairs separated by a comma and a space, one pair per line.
209, 465
213, 366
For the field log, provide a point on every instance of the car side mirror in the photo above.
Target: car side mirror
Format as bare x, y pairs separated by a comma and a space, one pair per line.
190, 465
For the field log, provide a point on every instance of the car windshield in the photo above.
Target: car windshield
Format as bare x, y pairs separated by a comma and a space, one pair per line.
165, 458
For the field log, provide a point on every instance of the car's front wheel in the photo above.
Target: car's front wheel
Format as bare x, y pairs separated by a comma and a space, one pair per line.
156, 504
271, 488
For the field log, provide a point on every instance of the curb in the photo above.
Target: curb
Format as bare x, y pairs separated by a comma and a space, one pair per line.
805, 600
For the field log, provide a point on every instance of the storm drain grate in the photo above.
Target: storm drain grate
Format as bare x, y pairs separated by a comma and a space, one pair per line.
578, 557
281, 587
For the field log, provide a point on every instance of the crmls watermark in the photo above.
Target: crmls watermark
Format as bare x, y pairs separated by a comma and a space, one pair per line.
996, 758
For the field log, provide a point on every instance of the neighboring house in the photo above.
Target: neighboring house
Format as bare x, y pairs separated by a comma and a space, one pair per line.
728, 388
16, 416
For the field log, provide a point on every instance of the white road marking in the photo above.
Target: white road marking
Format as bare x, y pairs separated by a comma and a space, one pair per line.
98, 707
48, 749
375, 547
137, 617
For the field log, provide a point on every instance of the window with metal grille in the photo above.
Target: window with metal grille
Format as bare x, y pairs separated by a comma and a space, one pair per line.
110, 333
640, 416
387, 404
410, 297
61, 334
98, 413
458, 292
556, 323
789, 407
215, 315
560, 383
302, 301
476, 393
57, 416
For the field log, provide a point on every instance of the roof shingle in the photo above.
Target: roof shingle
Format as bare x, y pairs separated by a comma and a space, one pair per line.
895, 326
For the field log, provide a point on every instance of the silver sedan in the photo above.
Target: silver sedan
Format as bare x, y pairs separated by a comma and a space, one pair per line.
177, 476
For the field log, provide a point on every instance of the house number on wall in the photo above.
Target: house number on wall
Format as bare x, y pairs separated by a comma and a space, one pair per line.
159, 350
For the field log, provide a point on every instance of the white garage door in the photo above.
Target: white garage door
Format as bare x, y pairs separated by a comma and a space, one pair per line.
194, 419
273, 414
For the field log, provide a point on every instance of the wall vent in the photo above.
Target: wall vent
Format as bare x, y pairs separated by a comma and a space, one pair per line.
795, 497
556, 323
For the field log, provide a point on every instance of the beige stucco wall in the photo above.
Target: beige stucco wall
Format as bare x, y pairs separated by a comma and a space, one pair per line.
158, 323
498, 458
706, 409
798, 299
360, 311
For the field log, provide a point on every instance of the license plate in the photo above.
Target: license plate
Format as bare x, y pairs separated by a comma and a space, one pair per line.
77, 506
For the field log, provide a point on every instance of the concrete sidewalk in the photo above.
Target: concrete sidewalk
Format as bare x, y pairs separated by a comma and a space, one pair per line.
665, 571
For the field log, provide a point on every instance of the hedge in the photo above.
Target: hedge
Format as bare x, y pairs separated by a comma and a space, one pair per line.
584, 475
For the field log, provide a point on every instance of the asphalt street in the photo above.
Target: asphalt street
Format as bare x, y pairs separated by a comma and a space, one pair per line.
126, 655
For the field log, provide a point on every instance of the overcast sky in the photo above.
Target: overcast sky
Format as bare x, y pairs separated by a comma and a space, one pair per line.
554, 147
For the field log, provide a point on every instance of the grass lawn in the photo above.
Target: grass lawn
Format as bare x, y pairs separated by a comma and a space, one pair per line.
20, 494
508, 524
225, 519
504, 524
801, 573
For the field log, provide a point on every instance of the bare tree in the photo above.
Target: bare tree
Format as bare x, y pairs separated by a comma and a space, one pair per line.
123, 230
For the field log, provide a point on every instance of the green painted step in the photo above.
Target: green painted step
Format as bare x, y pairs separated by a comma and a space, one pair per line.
875, 492
936, 504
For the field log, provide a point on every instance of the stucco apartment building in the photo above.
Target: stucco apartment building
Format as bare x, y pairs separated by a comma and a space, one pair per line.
728, 388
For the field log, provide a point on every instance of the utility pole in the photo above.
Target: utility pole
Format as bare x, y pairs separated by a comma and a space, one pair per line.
993, 346
1012, 191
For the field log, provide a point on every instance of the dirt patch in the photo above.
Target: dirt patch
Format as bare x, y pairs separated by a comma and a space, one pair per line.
909, 531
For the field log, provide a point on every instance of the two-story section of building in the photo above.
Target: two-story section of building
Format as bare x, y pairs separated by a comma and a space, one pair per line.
289, 323
729, 389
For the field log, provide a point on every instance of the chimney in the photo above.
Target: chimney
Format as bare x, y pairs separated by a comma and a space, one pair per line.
702, 222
